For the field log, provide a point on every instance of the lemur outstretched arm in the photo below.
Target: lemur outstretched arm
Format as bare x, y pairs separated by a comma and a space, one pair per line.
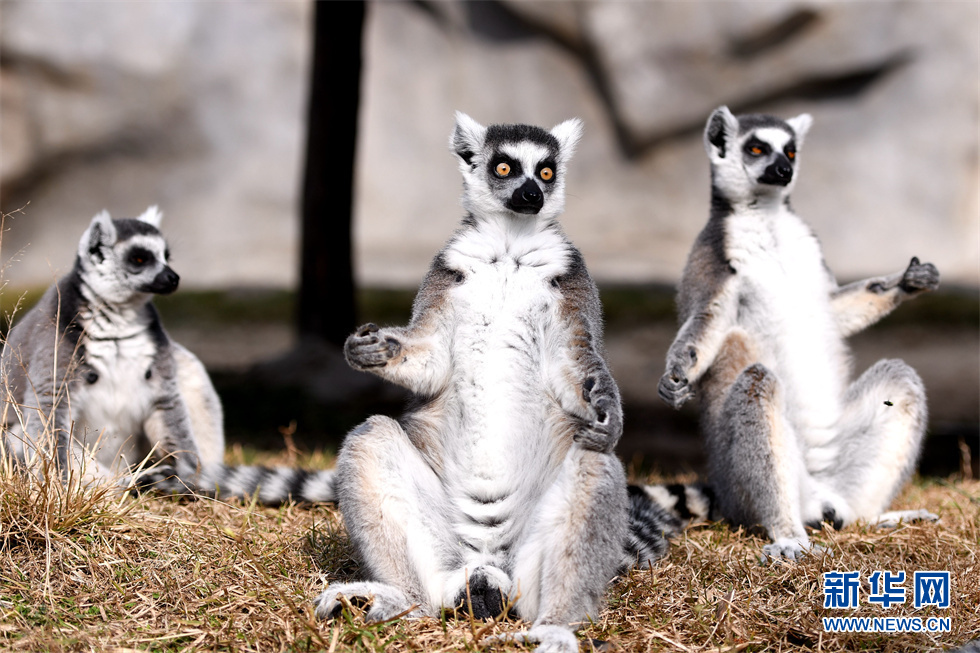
694, 349
860, 304
416, 356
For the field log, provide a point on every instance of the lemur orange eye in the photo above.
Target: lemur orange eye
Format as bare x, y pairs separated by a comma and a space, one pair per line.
755, 150
791, 154
547, 174
502, 169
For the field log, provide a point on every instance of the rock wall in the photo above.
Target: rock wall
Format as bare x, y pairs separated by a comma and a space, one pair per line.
199, 106
196, 106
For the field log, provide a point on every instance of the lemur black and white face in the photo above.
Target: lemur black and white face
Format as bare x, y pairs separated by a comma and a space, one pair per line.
124, 260
754, 155
514, 169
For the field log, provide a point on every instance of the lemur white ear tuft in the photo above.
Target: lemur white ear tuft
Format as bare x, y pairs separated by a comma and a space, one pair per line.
801, 125
568, 134
151, 216
720, 133
467, 137
100, 233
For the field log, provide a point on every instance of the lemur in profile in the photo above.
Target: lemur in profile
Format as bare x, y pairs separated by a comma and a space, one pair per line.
91, 367
500, 482
790, 441
90, 374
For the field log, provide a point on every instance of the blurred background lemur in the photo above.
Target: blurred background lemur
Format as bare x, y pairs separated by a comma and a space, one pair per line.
790, 441
91, 375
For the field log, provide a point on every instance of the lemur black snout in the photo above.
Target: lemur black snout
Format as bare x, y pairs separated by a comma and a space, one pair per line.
164, 283
527, 199
780, 172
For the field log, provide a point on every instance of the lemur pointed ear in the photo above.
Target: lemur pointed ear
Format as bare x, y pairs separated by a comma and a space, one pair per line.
151, 216
100, 233
467, 137
801, 125
720, 133
568, 134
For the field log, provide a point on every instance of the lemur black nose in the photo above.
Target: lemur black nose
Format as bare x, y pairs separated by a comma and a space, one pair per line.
778, 173
164, 283
526, 199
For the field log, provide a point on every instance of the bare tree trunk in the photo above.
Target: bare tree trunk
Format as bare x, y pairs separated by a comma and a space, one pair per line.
327, 309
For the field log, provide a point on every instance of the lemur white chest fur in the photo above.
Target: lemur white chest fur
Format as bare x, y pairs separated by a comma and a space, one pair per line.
115, 396
506, 340
784, 301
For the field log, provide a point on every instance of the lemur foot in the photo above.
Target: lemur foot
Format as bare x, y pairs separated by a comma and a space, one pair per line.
551, 639
386, 601
484, 593
159, 478
606, 425
895, 518
919, 277
790, 548
368, 348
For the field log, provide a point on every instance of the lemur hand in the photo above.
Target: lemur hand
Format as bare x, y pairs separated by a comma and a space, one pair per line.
919, 277
602, 432
674, 388
367, 348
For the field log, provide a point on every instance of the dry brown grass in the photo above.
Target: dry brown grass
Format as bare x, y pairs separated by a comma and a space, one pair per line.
84, 571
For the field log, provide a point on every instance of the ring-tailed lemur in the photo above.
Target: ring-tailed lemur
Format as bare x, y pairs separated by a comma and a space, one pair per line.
761, 341
500, 481
90, 374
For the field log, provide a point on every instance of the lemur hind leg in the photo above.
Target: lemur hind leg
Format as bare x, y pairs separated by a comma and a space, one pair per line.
880, 436
755, 464
397, 517
571, 550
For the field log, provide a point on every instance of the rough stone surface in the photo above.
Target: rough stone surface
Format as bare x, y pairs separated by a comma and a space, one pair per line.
886, 174
199, 107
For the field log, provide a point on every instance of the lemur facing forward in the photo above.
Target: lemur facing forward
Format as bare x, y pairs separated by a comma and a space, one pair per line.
761, 342
500, 482
89, 374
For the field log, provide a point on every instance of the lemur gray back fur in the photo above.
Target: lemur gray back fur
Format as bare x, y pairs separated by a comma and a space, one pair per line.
500, 478
790, 440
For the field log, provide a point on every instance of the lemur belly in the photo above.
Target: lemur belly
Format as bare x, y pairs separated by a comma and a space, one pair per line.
116, 398
502, 451
782, 278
